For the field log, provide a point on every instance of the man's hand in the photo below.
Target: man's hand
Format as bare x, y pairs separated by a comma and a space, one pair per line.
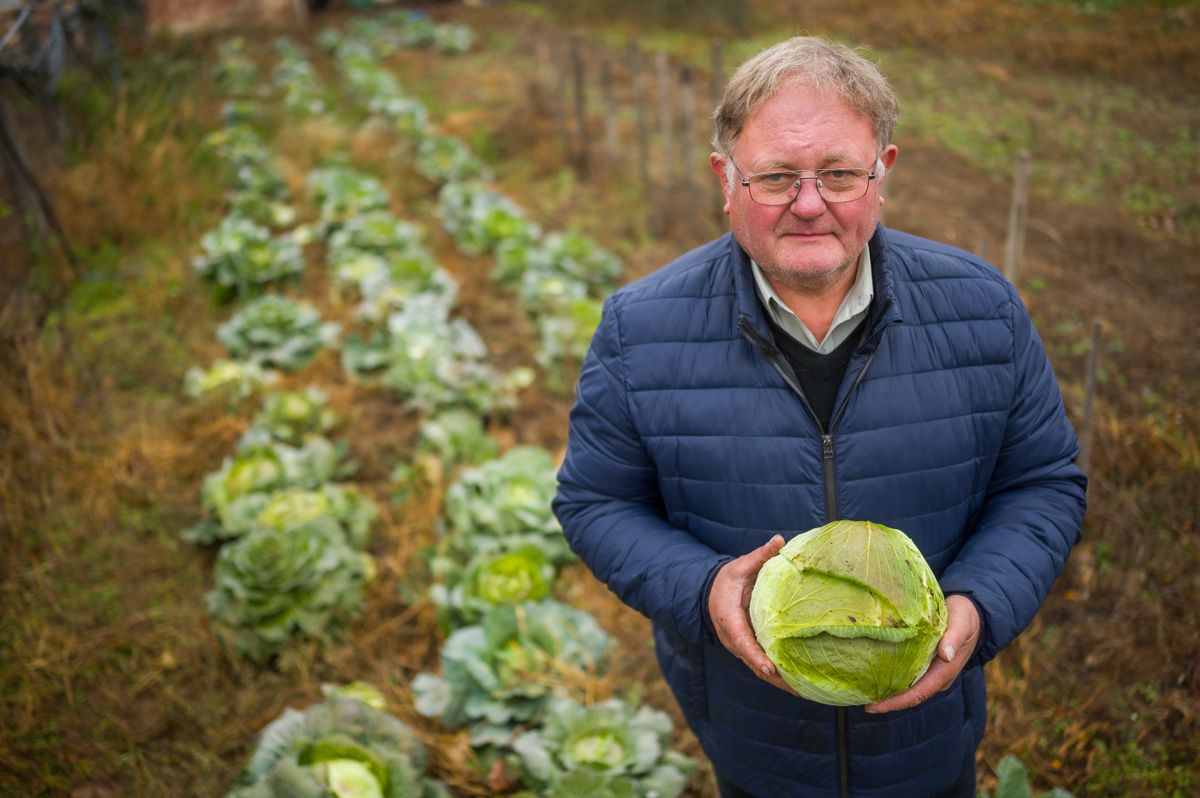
728, 603
953, 651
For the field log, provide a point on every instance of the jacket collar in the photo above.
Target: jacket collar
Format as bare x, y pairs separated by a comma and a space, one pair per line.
884, 307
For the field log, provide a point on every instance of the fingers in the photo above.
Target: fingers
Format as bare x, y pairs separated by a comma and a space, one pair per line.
728, 602
939, 676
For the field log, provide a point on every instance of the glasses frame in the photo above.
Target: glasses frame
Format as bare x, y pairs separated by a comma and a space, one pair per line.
872, 174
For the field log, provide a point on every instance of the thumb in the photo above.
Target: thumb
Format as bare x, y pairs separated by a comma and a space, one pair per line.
757, 558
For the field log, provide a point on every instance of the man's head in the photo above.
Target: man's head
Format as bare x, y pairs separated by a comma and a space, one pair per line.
800, 106
808, 61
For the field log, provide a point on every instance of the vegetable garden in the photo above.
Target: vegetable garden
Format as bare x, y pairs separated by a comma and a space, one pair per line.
287, 445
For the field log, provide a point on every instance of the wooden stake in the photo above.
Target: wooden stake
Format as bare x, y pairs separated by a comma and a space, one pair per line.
583, 150
662, 66
686, 110
1089, 400
1015, 243
643, 123
611, 147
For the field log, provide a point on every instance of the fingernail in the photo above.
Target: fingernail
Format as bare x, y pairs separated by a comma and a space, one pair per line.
766, 670
948, 651
871, 711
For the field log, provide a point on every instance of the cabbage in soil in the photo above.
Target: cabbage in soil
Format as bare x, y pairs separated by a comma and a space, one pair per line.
849, 613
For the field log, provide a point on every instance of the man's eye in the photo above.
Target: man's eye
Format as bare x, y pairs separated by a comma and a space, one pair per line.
837, 174
776, 178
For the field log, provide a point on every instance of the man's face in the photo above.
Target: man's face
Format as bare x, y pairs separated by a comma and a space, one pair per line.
810, 242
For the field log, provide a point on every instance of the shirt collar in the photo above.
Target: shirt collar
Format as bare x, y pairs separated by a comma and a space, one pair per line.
850, 312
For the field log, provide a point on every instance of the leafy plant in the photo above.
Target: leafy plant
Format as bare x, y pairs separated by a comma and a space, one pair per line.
294, 417
383, 260
521, 574
602, 746
445, 159
1012, 781
850, 613
564, 337
480, 219
236, 493
504, 670
452, 38
446, 441
505, 503
240, 257
272, 586
337, 748
239, 378
279, 332
346, 505
342, 193
432, 361
568, 256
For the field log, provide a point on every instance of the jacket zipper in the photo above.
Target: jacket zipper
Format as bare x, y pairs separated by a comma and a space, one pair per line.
772, 353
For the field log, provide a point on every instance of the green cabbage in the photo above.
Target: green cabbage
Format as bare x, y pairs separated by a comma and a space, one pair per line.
610, 748
849, 613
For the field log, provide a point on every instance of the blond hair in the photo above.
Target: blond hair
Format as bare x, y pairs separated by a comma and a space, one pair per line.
806, 61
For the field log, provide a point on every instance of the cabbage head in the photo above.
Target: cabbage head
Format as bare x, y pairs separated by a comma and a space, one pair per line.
850, 613
608, 749
337, 748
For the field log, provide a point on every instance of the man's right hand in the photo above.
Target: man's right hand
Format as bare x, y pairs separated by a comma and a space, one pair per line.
728, 607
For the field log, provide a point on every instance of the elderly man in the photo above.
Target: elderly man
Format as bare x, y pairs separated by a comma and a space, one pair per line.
813, 366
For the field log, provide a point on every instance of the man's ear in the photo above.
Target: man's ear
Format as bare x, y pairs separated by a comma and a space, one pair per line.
716, 162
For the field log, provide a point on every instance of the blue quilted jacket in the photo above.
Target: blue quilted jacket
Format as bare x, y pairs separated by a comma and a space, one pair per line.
688, 447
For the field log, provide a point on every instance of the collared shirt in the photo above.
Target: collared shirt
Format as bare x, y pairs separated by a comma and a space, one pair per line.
853, 309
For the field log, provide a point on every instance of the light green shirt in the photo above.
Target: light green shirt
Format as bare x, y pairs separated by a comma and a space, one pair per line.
853, 309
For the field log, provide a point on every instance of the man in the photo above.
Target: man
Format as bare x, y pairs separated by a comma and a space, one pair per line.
813, 366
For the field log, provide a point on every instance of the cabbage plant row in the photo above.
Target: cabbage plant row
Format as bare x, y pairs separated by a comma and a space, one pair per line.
515, 659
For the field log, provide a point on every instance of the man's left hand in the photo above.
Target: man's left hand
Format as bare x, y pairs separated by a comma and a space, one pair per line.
953, 651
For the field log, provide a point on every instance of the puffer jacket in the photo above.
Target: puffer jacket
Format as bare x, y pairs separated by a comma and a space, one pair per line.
688, 447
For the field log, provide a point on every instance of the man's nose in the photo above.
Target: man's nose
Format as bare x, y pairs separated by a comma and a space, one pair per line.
808, 202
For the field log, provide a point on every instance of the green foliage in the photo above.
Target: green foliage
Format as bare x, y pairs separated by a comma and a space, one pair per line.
240, 257
505, 503
1012, 781
336, 748
481, 220
296, 80
278, 332
612, 743
346, 505
463, 595
568, 256
503, 671
445, 159
384, 262
342, 193
273, 586
433, 361
850, 613
564, 337
235, 494
294, 417
239, 379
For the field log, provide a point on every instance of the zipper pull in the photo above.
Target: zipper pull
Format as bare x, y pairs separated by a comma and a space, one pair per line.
827, 446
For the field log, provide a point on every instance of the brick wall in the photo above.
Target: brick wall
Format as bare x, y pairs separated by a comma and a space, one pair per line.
187, 16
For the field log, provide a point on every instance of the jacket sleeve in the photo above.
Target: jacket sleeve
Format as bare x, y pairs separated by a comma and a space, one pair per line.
610, 506
1035, 503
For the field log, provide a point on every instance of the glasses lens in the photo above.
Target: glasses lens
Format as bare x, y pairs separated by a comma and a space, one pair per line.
834, 185
842, 185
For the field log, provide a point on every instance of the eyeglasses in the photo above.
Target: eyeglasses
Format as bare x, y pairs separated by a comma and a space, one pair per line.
840, 184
